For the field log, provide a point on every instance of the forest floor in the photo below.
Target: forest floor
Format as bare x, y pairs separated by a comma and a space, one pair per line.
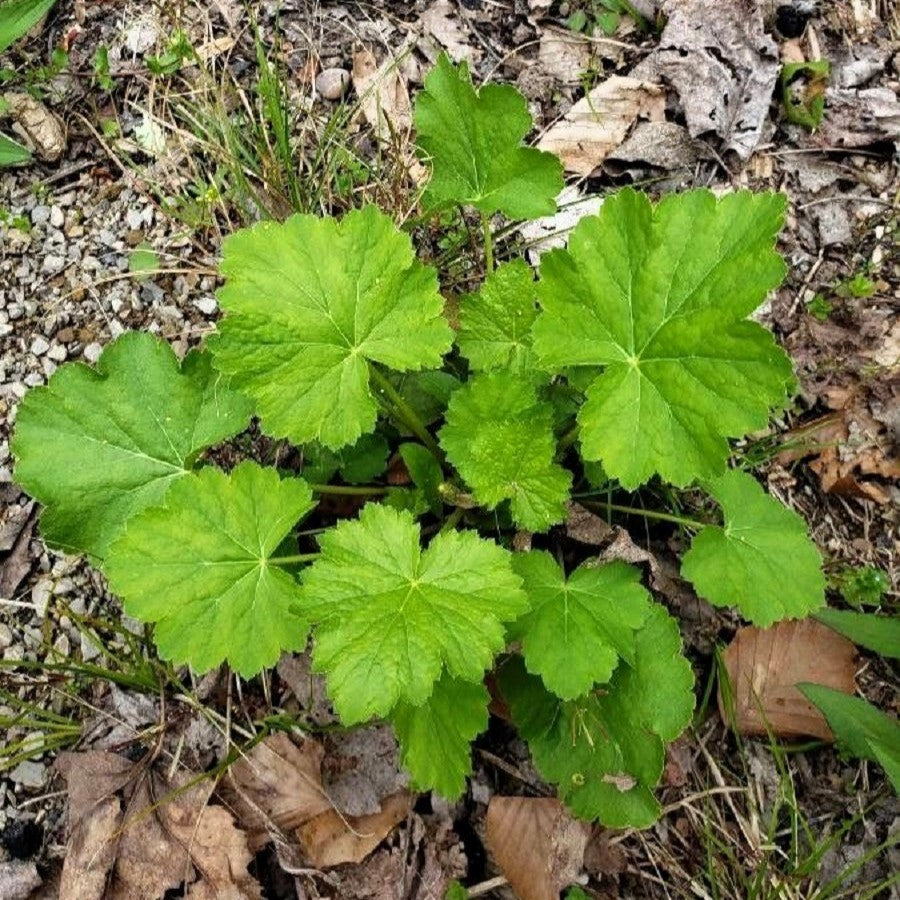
154, 139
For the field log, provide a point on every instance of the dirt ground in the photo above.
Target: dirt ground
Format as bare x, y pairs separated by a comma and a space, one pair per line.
132, 163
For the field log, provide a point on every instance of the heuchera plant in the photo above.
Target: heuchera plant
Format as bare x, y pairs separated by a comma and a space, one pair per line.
629, 358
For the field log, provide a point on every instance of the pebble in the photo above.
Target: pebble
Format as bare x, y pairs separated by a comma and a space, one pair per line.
6, 636
57, 353
57, 219
92, 352
29, 774
332, 84
152, 293
53, 264
206, 305
39, 346
40, 215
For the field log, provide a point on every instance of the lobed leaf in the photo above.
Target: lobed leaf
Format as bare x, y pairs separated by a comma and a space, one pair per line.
388, 615
658, 296
578, 627
435, 737
761, 561
96, 446
500, 438
201, 568
605, 749
309, 303
474, 141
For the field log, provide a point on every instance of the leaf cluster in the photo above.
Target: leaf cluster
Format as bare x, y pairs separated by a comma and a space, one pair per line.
631, 353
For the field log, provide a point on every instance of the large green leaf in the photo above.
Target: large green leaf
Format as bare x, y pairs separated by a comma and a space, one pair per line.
860, 729
880, 634
18, 17
495, 323
11, 153
579, 627
474, 141
500, 438
308, 303
389, 615
201, 568
761, 561
659, 297
97, 446
605, 750
435, 738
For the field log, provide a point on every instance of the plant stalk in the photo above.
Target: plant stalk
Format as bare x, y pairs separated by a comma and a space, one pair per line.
348, 490
296, 558
488, 243
406, 414
646, 513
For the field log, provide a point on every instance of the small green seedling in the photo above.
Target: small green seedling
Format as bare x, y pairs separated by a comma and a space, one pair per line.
630, 355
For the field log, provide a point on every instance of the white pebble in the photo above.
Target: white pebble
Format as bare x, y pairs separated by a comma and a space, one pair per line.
29, 774
39, 346
6, 636
206, 305
57, 219
332, 84
92, 352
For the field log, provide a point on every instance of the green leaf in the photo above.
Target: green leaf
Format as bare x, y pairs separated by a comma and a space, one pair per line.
495, 324
388, 615
500, 438
455, 891
425, 472
761, 561
605, 750
97, 446
11, 153
201, 568
142, 260
859, 728
659, 296
309, 304
365, 460
435, 738
579, 627
474, 141
880, 634
426, 393
18, 17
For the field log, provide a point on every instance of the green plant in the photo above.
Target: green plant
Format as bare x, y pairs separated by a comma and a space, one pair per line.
178, 51
605, 16
632, 350
862, 586
803, 92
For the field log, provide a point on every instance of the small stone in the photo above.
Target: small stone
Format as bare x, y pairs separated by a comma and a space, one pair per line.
57, 353
92, 352
39, 346
206, 305
152, 293
89, 648
332, 84
134, 219
57, 219
40, 596
116, 328
29, 774
6, 636
53, 263
40, 215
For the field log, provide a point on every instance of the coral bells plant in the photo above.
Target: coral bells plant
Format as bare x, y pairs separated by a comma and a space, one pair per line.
629, 357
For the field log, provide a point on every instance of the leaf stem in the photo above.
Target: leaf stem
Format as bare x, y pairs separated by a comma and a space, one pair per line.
646, 513
296, 558
568, 438
348, 490
405, 413
488, 243
453, 519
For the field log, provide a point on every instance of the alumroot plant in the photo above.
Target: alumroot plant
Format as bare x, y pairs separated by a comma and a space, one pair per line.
629, 357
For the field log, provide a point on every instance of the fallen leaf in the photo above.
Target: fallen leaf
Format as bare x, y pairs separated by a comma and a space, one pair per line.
564, 55
382, 94
537, 844
43, 129
663, 145
765, 664
598, 123
723, 65
18, 879
859, 118
585, 526
16, 535
442, 22
549, 232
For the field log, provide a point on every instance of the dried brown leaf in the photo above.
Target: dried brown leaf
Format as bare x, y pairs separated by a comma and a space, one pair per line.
16, 537
537, 844
765, 664
382, 94
18, 879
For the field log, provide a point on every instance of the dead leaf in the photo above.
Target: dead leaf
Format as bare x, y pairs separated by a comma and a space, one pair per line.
43, 130
859, 118
664, 145
601, 857
565, 55
585, 526
382, 94
442, 22
723, 65
553, 231
16, 535
765, 664
598, 123
18, 879
331, 839
308, 687
537, 844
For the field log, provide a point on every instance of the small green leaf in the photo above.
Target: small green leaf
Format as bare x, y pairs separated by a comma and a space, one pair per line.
308, 304
365, 460
495, 324
11, 153
803, 91
435, 738
97, 446
142, 260
579, 626
880, 634
388, 615
761, 561
500, 438
859, 728
18, 17
474, 141
201, 568
455, 891
605, 750
658, 296
425, 472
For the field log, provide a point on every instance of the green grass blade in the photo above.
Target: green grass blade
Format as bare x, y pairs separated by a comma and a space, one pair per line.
878, 633
11, 153
18, 17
